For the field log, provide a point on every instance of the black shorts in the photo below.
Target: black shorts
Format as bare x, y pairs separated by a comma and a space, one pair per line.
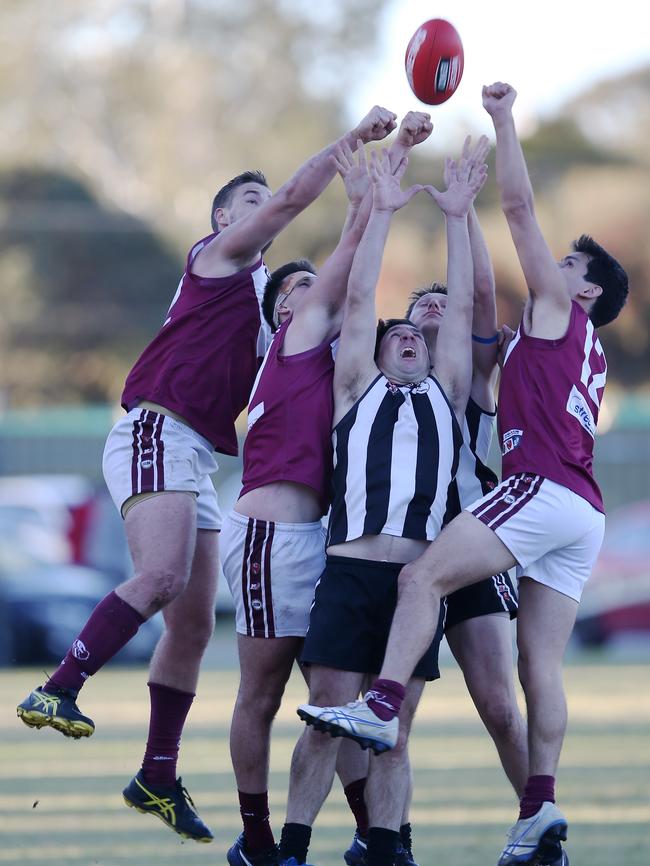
494, 595
351, 617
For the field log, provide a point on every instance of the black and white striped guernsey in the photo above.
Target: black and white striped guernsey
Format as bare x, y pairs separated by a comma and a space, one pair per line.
474, 477
395, 453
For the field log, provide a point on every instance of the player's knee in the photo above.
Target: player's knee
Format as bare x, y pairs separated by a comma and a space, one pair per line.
268, 704
500, 714
263, 694
536, 672
190, 633
163, 587
324, 695
197, 640
414, 583
203, 629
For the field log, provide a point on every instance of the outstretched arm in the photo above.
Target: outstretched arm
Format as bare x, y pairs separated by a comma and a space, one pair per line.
453, 353
320, 313
355, 367
238, 244
484, 313
543, 278
484, 318
415, 128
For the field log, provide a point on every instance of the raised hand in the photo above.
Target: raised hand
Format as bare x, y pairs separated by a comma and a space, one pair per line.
464, 178
498, 98
415, 128
387, 193
354, 175
477, 156
376, 125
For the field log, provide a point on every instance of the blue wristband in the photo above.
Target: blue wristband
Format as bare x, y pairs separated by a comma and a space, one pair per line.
485, 340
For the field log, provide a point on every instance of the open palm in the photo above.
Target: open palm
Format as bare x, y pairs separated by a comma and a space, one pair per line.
387, 192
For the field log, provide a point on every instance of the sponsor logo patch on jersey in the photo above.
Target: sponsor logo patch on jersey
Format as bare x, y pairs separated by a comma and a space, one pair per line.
579, 408
511, 440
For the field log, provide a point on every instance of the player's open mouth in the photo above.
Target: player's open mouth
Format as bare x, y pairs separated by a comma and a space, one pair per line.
407, 352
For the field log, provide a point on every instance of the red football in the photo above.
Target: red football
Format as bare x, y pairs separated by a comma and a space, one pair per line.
434, 61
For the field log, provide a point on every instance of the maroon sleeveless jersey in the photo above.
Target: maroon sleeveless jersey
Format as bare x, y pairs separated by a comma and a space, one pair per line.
202, 363
290, 420
549, 398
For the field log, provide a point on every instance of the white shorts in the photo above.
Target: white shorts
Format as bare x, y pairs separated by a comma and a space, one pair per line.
272, 570
147, 452
554, 534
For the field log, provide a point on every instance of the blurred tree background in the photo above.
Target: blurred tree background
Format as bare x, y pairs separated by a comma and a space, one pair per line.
122, 117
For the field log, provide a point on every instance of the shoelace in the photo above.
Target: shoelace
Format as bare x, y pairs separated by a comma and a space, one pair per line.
186, 796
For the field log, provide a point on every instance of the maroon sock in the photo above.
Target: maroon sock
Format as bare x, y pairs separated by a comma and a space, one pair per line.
254, 810
111, 626
538, 790
169, 709
356, 801
385, 698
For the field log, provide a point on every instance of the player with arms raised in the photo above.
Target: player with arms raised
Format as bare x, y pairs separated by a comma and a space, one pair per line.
273, 544
182, 398
546, 518
396, 442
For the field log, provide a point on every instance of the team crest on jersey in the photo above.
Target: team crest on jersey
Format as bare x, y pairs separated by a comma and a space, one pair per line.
579, 408
419, 387
511, 440
412, 387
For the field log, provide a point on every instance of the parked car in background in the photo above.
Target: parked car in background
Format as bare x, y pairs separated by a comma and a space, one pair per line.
46, 593
616, 601
62, 549
43, 607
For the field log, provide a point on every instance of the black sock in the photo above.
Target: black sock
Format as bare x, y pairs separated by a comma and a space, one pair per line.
382, 846
294, 842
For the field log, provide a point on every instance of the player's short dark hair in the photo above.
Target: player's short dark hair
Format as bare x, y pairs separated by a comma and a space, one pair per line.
222, 198
274, 282
384, 326
434, 288
603, 270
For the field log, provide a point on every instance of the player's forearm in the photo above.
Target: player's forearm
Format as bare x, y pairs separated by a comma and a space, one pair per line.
356, 218
453, 348
397, 152
335, 273
350, 217
512, 173
481, 261
366, 266
484, 310
460, 272
314, 175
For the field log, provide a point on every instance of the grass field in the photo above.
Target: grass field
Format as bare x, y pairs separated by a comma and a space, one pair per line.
61, 804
